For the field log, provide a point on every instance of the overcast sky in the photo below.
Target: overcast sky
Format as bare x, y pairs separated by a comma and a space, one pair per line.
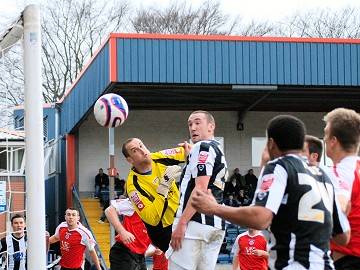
272, 10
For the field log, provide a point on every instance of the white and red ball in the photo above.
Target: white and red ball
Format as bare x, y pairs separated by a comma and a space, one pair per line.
111, 110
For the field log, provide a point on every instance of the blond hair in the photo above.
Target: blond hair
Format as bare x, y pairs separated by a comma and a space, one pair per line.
345, 126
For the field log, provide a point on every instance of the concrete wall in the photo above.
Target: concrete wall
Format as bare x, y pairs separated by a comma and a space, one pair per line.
164, 129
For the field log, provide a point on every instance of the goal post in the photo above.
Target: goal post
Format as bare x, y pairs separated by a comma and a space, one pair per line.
34, 173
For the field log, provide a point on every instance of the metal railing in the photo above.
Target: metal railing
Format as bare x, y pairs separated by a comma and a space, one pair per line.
84, 221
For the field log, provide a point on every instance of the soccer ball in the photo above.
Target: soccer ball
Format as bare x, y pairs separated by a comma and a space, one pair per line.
111, 110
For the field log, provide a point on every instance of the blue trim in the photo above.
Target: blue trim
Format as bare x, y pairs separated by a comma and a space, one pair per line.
86, 91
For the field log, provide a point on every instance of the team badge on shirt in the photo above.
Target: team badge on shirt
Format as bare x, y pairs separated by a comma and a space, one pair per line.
67, 235
267, 181
203, 157
137, 201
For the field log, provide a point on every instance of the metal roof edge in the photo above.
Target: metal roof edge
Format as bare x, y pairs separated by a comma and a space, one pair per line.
235, 38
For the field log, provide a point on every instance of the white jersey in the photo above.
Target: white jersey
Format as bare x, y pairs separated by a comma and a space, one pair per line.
342, 175
205, 159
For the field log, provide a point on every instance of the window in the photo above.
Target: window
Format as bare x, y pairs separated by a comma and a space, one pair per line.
20, 123
45, 126
257, 147
3, 159
12, 159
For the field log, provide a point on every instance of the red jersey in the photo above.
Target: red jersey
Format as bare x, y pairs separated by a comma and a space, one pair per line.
244, 248
73, 244
133, 224
346, 179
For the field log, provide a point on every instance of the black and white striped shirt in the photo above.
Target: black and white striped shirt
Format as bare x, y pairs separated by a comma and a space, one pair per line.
16, 252
205, 159
306, 214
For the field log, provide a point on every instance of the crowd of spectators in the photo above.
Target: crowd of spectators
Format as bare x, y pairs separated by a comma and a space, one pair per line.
239, 189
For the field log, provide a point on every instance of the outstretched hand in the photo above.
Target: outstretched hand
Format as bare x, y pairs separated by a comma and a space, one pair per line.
204, 202
171, 173
187, 147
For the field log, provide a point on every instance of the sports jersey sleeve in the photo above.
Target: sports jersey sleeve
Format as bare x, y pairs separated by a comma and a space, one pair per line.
202, 160
87, 238
170, 157
148, 207
235, 249
271, 188
123, 207
56, 234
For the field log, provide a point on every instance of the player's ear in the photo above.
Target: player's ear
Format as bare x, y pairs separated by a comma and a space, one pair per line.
130, 160
270, 144
211, 127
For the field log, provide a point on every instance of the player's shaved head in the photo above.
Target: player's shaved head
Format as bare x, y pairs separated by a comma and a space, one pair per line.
209, 117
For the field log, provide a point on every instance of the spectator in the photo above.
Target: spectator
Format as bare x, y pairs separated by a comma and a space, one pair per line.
239, 178
231, 201
243, 198
119, 185
101, 183
234, 185
251, 181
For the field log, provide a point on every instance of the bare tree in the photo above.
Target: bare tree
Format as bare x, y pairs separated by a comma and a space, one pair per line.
72, 30
11, 84
182, 18
255, 29
344, 23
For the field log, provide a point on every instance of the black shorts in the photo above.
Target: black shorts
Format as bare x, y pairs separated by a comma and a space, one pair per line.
159, 236
348, 263
121, 258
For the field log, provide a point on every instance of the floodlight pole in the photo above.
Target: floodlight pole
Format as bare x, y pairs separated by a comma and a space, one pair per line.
34, 145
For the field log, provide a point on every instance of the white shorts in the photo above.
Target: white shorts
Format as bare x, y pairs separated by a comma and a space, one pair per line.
200, 248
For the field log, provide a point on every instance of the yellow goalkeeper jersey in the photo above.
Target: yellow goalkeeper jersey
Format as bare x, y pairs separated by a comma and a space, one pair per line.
154, 209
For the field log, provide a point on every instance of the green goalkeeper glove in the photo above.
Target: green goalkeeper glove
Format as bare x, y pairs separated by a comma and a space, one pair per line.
168, 178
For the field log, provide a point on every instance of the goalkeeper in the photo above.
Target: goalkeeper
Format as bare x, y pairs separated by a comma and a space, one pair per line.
152, 189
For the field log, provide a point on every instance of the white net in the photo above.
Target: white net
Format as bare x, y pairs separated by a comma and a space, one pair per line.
12, 191
13, 188
12, 165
